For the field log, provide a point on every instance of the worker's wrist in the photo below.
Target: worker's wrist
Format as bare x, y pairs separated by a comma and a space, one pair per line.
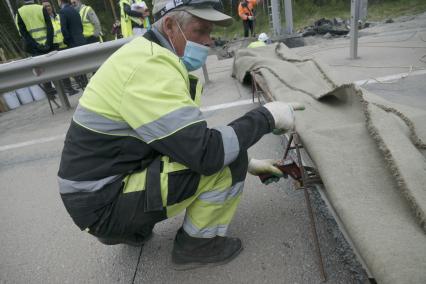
269, 118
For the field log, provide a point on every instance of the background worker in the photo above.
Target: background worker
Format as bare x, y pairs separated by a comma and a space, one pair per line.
139, 151
141, 7
58, 41
262, 40
72, 31
247, 14
130, 19
92, 29
35, 27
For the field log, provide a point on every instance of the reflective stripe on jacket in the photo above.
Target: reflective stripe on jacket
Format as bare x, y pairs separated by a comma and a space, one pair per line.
88, 27
125, 120
32, 16
58, 38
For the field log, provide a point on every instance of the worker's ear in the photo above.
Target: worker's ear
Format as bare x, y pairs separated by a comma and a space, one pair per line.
168, 24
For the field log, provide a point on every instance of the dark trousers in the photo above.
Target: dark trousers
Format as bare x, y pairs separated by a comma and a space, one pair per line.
91, 39
127, 218
248, 26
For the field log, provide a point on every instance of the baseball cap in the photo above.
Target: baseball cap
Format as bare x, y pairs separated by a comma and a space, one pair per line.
204, 9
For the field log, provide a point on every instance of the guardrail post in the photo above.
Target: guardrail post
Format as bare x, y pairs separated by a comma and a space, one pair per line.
206, 74
61, 94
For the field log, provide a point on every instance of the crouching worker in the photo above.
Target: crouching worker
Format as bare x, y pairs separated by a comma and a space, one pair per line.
139, 151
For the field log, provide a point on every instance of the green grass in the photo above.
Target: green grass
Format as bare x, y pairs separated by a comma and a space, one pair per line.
306, 13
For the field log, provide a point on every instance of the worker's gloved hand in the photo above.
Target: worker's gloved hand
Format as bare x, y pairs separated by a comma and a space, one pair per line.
265, 167
251, 18
283, 114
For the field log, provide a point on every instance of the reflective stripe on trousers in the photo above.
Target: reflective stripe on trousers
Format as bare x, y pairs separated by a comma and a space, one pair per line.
209, 211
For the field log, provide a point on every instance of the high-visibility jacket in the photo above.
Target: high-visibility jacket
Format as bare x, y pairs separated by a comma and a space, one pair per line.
125, 120
257, 43
126, 20
32, 16
58, 38
88, 27
244, 12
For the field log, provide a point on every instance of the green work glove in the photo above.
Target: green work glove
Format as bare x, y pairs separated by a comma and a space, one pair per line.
265, 167
283, 114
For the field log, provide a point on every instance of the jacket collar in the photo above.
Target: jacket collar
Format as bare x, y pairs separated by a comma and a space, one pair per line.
155, 36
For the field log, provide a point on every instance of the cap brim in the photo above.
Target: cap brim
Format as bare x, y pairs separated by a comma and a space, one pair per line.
211, 15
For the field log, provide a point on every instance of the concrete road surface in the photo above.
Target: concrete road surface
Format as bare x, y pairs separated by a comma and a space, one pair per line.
40, 244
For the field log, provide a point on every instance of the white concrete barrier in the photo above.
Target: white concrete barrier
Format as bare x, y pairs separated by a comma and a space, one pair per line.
11, 100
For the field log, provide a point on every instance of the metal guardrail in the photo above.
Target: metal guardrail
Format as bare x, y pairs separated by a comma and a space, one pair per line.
57, 65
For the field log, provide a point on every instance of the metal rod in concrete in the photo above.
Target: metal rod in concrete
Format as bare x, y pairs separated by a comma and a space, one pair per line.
297, 145
288, 16
354, 28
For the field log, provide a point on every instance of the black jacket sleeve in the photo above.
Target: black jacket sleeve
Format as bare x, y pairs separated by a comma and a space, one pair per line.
49, 28
64, 28
201, 148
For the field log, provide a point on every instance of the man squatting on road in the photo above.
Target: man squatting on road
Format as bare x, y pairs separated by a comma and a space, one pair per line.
139, 151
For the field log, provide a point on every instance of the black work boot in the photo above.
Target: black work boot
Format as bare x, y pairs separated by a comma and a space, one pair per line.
189, 252
136, 240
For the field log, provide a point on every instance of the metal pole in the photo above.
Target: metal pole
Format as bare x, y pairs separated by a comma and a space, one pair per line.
61, 94
288, 16
363, 10
12, 14
276, 21
354, 29
113, 10
206, 74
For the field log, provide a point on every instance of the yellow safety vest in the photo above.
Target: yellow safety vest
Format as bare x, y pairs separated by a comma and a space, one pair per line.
33, 18
88, 27
58, 38
255, 44
126, 20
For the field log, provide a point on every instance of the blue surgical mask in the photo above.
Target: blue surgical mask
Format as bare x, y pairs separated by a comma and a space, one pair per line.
194, 55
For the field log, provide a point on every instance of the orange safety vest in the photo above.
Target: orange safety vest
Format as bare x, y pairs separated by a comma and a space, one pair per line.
244, 12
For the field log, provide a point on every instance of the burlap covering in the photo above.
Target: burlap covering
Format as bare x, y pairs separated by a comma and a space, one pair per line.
370, 154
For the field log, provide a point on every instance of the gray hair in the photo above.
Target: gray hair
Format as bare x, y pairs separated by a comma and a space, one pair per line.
182, 17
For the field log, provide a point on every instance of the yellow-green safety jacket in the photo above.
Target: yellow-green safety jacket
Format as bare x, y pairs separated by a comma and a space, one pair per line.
126, 20
32, 16
255, 44
58, 38
88, 27
141, 105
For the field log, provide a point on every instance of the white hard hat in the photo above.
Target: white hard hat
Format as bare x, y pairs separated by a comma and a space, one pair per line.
263, 37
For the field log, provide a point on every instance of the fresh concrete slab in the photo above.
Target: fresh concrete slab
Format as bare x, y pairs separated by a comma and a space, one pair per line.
40, 244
